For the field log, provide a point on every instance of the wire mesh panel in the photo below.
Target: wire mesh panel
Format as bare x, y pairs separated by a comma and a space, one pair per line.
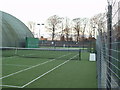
108, 48
42, 53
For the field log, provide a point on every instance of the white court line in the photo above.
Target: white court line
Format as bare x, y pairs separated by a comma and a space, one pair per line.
10, 86
47, 72
31, 67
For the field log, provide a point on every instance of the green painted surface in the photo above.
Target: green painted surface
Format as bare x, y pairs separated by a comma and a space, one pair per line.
32, 43
73, 74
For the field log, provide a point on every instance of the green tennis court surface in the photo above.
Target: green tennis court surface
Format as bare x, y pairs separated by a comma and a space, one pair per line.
47, 69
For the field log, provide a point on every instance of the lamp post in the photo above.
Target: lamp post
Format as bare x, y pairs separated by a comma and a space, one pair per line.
39, 29
110, 2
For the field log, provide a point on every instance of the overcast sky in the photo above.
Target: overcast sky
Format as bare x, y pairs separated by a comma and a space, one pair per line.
40, 10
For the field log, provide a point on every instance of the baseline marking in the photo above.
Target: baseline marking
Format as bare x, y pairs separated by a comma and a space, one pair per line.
47, 72
11, 86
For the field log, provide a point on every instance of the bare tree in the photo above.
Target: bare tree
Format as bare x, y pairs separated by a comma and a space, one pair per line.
76, 26
67, 28
97, 22
91, 30
53, 23
84, 25
31, 26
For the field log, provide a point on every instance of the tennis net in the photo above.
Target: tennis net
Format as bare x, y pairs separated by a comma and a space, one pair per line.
43, 53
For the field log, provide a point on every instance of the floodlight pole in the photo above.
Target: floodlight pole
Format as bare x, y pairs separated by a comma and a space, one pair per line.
39, 29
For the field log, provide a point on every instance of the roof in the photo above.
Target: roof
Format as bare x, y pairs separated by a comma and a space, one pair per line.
14, 32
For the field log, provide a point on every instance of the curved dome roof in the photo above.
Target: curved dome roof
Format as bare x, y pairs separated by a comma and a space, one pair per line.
14, 32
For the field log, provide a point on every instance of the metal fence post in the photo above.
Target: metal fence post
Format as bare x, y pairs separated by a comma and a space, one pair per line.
118, 57
109, 28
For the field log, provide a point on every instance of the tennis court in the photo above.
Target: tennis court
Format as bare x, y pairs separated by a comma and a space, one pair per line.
47, 68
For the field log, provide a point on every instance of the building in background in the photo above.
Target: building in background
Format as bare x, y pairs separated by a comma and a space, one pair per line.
14, 32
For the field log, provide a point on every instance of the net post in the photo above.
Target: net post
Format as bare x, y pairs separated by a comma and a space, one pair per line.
79, 54
15, 51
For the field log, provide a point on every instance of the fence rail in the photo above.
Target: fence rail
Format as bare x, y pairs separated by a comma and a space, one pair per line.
108, 48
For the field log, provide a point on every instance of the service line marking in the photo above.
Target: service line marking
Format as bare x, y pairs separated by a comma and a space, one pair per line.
31, 67
47, 72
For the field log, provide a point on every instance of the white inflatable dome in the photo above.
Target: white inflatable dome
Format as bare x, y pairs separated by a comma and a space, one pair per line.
14, 32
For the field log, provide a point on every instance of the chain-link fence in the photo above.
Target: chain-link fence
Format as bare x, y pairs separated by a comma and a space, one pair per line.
80, 44
108, 48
